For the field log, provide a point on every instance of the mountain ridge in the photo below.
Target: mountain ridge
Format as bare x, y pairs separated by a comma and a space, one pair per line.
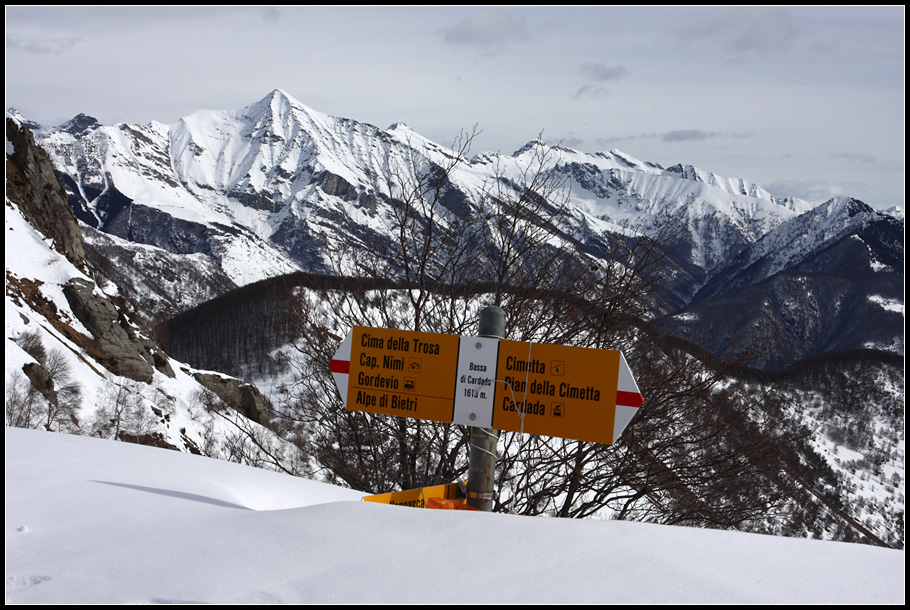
260, 167
273, 187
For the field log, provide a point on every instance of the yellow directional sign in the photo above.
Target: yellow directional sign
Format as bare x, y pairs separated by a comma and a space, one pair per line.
419, 497
402, 373
538, 388
569, 392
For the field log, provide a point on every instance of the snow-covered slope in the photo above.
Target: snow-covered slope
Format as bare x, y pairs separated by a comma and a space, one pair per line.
90, 521
36, 306
719, 216
158, 281
274, 186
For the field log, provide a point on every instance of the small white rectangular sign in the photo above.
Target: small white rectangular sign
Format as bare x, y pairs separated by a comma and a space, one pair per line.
475, 381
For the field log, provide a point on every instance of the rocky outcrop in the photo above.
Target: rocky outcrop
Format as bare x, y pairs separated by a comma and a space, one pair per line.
41, 380
336, 186
146, 225
33, 185
119, 337
242, 397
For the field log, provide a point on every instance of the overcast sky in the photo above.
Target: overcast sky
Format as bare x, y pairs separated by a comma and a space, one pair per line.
805, 101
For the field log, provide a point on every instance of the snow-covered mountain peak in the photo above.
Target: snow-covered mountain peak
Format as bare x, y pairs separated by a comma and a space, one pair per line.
280, 170
402, 133
278, 113
629, 161
531, 146
80, 124
838, 211
276, 104
737, 186
896, 211
844, 204
19, 119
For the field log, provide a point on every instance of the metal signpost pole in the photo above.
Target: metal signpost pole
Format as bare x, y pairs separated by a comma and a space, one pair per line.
482, 443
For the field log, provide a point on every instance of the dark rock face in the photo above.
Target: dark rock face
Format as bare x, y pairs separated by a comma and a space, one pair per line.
146, 225
117, 336
41, 380
80, 124
32, 183
242, 397
258, 200
336, 186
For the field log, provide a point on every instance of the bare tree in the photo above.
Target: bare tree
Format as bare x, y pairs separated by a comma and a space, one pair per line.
524, 207
433, 243
418, 284
121, 410
62, 409
52, 397
21, 401
249, 443
30, 342
702, 450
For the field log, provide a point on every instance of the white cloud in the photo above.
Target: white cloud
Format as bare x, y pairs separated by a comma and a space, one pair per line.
55, 45
681, 135
853, 157
490, 29
744, 31
601, 72
590, 92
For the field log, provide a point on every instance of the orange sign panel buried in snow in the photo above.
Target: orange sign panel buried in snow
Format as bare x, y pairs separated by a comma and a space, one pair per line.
438, 496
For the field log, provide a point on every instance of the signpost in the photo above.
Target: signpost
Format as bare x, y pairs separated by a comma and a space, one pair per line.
569, 392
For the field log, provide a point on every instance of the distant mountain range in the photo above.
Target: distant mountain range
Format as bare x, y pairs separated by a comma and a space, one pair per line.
272, 187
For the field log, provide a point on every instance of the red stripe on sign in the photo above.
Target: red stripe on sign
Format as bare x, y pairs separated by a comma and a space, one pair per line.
629, 399
340, 366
